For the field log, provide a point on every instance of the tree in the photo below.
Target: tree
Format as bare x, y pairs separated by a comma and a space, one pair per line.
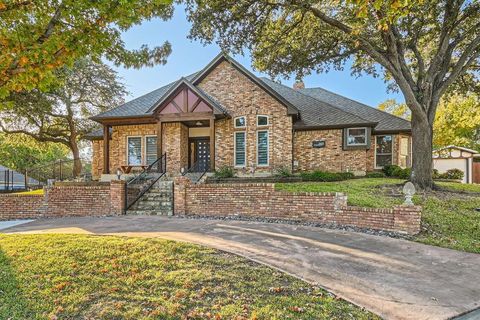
458, 122
397, 109
20, 152
39, 37
421, 48
61, 115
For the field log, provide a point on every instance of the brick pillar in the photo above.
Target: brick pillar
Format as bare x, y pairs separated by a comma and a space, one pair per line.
117, 197
407, 219
180, 189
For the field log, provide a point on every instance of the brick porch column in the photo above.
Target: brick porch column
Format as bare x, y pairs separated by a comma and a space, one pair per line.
180, 186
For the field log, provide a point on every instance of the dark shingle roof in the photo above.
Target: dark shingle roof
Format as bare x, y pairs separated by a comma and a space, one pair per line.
318, 108
315, 113
386, 121
141, 105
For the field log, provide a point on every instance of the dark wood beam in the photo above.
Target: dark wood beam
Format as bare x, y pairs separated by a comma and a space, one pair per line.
106, 149
159, 143
212, 144
174, 117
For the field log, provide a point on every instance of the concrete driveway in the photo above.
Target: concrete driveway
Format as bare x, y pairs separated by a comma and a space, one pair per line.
396, 279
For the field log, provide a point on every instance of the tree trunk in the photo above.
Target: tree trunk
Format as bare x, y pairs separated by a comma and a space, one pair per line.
422, 138
77, 163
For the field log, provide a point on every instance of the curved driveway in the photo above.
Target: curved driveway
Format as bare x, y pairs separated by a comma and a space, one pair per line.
396, 279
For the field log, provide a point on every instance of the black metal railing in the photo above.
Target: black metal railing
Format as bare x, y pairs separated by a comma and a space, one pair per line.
197, 170
11, 180
59, 170
137, 187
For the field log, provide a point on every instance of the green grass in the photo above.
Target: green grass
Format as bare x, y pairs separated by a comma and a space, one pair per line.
101, 277
361, 192
449, 218
32, 192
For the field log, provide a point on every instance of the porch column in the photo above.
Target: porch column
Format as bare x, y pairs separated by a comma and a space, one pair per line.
159, 143
212, 144
106, 149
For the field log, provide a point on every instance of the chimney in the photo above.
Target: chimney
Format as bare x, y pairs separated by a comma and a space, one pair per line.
298, 85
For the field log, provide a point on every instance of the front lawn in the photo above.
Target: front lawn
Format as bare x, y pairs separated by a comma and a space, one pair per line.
449, 218
101, 277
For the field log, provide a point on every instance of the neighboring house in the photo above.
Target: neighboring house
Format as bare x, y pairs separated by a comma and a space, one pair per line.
453, 157
226, 116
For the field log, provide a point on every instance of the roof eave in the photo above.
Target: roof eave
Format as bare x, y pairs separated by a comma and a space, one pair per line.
333, 126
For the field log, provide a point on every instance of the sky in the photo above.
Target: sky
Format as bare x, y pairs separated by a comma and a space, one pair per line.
189, 56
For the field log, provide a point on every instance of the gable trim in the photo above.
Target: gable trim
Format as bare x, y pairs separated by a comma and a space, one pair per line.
291, 109
184, 82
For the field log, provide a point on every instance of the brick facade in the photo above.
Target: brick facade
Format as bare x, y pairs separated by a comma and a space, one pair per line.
242, 97
66, 200
332, 157
263, 201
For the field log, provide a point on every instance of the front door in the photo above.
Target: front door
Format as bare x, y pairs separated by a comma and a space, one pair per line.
200, 153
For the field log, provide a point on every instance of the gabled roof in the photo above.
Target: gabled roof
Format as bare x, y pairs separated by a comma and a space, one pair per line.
386, 121
140, 106
217, 106
458, 148
315, 113
292, 110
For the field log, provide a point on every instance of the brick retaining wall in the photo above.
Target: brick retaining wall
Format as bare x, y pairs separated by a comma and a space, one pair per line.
66, 200
14, 206
262, 201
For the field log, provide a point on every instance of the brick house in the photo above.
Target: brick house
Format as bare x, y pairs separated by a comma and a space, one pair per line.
224, 115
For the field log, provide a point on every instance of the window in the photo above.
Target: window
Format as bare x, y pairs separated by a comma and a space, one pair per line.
150, 149
403, 158
240, 122
134, 150
262, 121
240, 149
262, 148
356, 136
383, 151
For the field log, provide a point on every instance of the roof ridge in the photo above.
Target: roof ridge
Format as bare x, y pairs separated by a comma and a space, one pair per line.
366, 105
329, 104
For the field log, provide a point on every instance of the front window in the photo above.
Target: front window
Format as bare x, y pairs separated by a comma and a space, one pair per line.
262, 148
403, 158
356, 136
240, 122
262, 121
134, 146
383, 151
151, 149
240, 149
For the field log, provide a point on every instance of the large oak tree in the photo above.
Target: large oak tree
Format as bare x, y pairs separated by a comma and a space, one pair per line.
421, 48
38, 37
61, 115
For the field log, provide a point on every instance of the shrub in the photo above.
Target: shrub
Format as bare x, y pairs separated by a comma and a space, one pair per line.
282, 172
224, 172
389, 169
326, 176
452, 174
402, 173
375, 174
435, 174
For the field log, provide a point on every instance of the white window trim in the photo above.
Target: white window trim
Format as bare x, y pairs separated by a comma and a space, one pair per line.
142, 148
144, 153
235, 122
268, 148
357, 144
263, 125
375, 156
235, 149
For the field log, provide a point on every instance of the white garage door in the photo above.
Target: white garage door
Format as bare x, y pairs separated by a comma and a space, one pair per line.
443, 165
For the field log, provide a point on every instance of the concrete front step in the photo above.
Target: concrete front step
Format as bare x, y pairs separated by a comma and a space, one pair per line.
156, 201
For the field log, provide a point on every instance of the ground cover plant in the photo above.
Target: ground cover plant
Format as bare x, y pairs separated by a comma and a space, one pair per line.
449, 216
107, 277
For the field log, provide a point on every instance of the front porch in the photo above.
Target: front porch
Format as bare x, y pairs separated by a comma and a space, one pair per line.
182, 126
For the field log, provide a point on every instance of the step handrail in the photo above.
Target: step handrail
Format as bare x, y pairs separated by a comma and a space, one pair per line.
158, 166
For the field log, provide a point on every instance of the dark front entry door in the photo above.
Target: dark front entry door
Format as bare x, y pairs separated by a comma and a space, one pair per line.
200, 153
